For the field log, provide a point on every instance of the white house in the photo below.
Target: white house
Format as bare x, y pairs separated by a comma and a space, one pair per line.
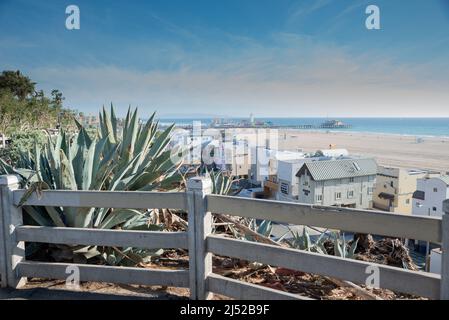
287, 180
288, 183
287, 168
193, 144
429, 196
342, 182
265, 161
235, 158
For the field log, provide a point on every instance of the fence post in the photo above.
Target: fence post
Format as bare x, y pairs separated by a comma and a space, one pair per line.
3, 274
444, 294
192, 247
11, 217
198, 188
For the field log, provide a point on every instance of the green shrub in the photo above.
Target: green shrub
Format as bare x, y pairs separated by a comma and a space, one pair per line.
22, 142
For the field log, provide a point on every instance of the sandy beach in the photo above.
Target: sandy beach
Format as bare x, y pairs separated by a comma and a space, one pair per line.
390, 150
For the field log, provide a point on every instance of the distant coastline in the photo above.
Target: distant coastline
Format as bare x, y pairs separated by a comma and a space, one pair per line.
372, 133
414, 127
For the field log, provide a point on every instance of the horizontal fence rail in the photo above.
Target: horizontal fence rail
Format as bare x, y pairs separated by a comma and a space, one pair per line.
247, 291
99, 237
105, 199
406, 281
121, 275
346, 219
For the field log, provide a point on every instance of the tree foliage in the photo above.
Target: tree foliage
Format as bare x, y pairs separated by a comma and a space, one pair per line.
18, 84
23, 109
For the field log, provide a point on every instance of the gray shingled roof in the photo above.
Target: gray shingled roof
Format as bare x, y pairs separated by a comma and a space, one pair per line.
338, 169
445, 179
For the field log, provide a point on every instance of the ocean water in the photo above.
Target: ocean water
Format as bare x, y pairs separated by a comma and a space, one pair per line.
430, 127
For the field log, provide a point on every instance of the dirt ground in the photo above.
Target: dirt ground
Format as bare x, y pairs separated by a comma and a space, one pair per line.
42, 289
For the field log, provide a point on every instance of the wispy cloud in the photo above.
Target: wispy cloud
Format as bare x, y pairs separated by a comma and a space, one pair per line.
309, 60
305, 8
176, 29
332, 25
296, 77
8, 42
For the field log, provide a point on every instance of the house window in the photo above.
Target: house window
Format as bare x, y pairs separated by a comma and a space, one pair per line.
407, 201
351, 194
435, 189
351, 180
434, 208
370, 190
284, 188
337, 195
392, 184
370, 178
319, 198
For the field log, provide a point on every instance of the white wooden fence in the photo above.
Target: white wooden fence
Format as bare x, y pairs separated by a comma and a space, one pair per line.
201, 243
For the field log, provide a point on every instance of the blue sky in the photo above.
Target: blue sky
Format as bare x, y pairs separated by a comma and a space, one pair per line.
272, 58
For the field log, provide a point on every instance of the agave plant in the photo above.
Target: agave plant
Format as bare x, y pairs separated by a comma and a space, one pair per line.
341, 247
304, 242
221, 183
123, 155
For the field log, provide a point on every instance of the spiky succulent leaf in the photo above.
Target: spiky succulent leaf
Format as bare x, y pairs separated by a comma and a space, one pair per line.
124, 155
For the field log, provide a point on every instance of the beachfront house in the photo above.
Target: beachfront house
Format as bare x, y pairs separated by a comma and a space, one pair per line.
236, 158
262, 164
341, 182
394, 189
429, 196
288, 189
272, 184
266, 166
428, 199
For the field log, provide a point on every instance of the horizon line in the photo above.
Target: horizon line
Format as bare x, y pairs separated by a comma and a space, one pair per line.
306, 117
